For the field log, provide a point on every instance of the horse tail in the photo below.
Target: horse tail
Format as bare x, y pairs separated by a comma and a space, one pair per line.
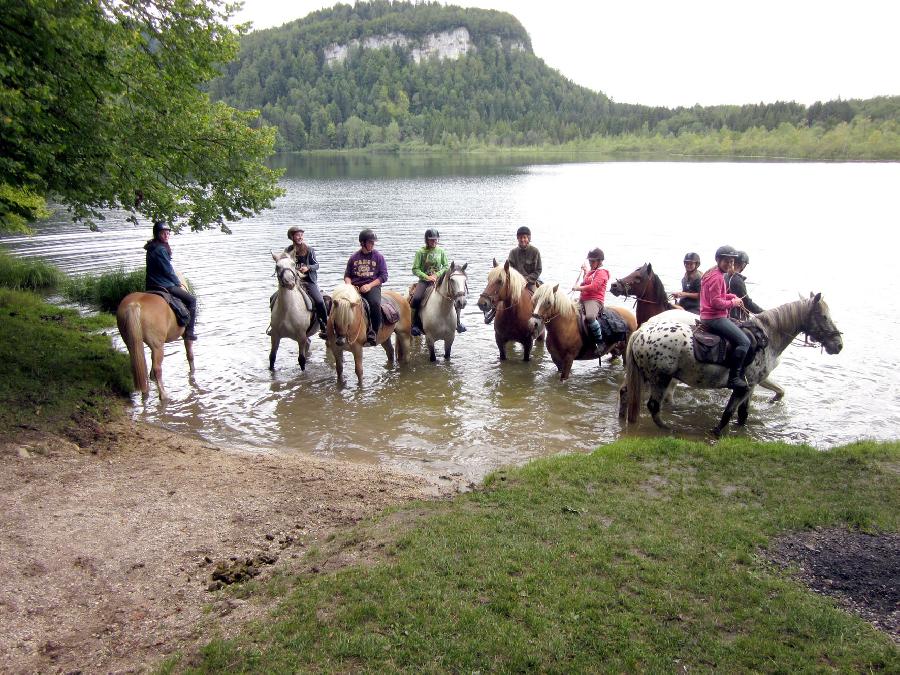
634, 379
133, 335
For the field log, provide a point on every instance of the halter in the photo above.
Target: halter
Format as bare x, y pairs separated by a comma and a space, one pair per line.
279, 272
637, 298
453, 297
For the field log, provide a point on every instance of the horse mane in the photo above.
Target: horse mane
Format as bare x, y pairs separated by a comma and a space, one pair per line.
559, 302
515, 280
344, 298
786, 318
659, 292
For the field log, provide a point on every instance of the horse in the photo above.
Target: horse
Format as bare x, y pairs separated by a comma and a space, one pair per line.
559, 314
651, 300
507, 303
290, 317
662, 350
146, 318
346, 330
440, 310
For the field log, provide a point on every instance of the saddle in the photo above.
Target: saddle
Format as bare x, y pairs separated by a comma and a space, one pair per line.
712, 348
389, 311
612, 327
182, 315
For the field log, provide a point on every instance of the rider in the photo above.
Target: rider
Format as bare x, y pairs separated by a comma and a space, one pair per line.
689, 295
735, 283
304, 256
161, 275
714, 305
593, 292
430, 262
526, 259
367, 271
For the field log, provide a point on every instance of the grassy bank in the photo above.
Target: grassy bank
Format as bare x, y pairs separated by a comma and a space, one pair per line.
645, 556
54, 366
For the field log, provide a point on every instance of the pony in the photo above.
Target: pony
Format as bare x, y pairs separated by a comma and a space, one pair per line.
559, 314
440, 310
290, 317
507, 303
146, 318
651, 300
346, 329
662, 350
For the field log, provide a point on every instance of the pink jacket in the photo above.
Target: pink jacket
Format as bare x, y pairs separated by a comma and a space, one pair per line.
596, 280
714, 301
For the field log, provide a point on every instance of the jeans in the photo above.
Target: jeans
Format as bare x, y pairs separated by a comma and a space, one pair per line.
373, 297
727, 329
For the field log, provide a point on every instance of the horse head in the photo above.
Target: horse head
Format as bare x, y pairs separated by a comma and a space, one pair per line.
542, 309
633, 283
819, 326
286, 270
345, 308
455, 284
490, 296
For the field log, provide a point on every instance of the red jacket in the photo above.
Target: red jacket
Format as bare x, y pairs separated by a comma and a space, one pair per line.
714, 301
596, 280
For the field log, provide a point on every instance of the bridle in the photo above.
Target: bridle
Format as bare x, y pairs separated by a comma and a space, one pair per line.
280, 271
637, 297
459, 295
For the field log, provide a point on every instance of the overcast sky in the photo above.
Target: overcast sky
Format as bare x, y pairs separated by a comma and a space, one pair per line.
682, 52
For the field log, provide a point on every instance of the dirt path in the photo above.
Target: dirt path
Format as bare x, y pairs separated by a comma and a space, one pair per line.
107, 547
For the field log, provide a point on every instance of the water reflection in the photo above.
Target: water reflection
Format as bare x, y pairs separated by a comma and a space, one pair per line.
474, 413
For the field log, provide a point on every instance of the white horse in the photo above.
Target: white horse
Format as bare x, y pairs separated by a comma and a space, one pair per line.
661, 350
440, 311
290, 317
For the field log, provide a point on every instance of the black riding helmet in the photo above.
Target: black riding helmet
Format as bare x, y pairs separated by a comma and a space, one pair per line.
692, 257
432, 233
367, 235
743, 258
726, 252
159, 226
595, 254
523, 230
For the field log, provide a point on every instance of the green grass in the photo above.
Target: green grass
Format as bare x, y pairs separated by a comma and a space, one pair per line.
104, 291
54, 366
644, 556
24, 274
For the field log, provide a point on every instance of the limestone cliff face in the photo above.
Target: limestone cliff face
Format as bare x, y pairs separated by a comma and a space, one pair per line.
445, 45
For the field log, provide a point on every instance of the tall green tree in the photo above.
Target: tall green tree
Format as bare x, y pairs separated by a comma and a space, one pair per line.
101, 107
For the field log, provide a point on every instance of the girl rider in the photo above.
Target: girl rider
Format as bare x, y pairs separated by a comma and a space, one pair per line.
689, 295
714, 306
430, 263
593, 292
161, 275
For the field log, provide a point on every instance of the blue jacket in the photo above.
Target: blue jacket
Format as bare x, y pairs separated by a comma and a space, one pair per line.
160, 273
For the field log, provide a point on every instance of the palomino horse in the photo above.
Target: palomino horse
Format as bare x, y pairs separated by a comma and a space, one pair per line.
347, 329
147, 318
662, 350
559, 314
506, 301
290, 317
652, 300
440, 312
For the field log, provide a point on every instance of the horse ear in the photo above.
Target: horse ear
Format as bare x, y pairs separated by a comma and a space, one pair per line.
556, 288
452, 265
506, 266
465, 265
495, 262
649, 268
275, 256
816, 298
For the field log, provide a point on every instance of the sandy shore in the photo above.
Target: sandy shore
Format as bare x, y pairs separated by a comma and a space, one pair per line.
107, 546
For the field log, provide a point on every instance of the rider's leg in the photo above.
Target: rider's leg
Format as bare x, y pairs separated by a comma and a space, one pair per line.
591, 312
729, 331
415, 303
316, 295
373, 297
191, 303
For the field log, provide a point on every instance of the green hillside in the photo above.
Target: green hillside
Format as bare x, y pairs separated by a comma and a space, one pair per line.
498, 93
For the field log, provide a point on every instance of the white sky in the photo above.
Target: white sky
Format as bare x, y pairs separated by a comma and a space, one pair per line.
682, 52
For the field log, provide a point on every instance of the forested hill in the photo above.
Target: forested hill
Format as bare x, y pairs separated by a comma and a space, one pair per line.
383, 72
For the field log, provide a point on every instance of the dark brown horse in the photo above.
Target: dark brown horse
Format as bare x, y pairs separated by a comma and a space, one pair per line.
648, 290
147, 318
560, 316
507, 302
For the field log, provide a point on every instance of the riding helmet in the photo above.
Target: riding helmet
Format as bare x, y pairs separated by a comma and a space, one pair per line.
595, 254
432, 233
692, 257
743, 258
726, 252
292, 229
367, 235
523, 230
159, 226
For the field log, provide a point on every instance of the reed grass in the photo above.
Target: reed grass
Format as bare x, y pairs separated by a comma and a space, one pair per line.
28, 274
104, 291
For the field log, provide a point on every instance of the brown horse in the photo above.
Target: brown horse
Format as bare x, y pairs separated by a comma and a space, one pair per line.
560, 316
507, 303
647, 288
346, 329
147, 318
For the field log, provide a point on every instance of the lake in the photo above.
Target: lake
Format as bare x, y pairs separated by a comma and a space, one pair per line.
807, 227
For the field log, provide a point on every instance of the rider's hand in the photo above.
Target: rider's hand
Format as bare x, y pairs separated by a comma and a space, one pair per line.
585, 267
432, 278
576, 287
304, 269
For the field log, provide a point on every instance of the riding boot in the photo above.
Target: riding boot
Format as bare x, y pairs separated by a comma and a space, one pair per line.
323, 325
594, 328
416, 323
736, 379
459, 326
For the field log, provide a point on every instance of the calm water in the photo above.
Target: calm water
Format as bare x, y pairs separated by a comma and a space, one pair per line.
807, 227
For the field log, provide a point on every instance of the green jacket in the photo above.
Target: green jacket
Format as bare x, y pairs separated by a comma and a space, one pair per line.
430, 261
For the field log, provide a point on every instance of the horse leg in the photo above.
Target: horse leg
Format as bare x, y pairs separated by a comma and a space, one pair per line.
738, 397
358, 362
527, 344
657, 393
448, 343
303, 344
771, 386
567, 368
744, 409
156, 358
339, 363
501, 345
276, 340
189, 352
430, 342
388, 349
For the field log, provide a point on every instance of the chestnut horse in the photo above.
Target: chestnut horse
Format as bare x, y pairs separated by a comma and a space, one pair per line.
347, 329
559, 314
507, 303
146, 318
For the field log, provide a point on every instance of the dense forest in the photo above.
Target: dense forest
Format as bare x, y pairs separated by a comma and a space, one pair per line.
498, 94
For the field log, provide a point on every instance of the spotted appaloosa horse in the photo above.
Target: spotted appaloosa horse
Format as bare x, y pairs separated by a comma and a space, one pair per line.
661, 350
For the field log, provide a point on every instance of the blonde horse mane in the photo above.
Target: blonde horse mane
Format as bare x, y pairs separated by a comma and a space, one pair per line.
558, 302
515, 280
345, 298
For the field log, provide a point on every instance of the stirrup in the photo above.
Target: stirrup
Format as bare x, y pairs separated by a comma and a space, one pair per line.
416, 331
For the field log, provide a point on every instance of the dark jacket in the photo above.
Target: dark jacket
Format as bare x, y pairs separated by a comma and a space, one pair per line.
735, 283
690, 286
160, 273
312, 276
526, 262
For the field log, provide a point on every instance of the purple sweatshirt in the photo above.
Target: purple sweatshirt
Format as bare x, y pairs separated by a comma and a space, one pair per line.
365, 267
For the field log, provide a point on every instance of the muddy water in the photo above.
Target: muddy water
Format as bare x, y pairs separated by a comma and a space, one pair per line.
807, 227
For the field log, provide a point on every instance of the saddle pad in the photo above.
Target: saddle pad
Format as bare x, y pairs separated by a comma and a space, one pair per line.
612, 326
389, 311
306, 299
711, 348
182, 315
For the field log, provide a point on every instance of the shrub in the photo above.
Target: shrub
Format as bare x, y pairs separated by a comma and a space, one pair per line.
23, 274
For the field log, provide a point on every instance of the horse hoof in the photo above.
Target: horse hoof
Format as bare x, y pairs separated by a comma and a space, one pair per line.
716, 431
341, 341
